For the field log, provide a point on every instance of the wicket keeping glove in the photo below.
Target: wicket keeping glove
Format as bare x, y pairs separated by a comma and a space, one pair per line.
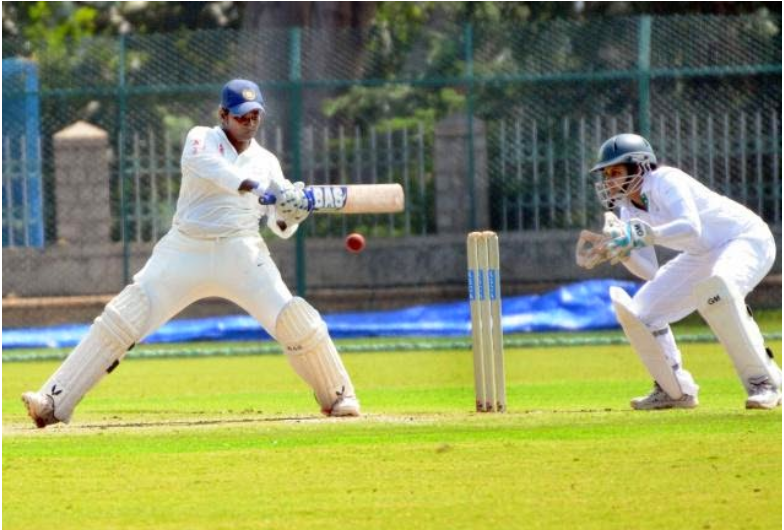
625, 237
591, 250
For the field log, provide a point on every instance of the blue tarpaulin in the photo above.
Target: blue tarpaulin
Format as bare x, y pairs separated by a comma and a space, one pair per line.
577, 307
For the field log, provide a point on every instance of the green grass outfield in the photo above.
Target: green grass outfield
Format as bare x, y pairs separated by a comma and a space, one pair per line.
236, 442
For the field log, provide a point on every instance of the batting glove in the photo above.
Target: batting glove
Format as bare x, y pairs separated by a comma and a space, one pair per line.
293, 203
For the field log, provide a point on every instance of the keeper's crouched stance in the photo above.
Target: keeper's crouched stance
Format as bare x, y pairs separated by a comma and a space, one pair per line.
213, 250
725, 251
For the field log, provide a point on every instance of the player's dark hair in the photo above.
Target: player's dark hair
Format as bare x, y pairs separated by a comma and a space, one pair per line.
223, 114
634, 169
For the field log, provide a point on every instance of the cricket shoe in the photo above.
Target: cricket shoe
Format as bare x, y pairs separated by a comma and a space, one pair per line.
763, 395
659, 399
344, 406
40, 407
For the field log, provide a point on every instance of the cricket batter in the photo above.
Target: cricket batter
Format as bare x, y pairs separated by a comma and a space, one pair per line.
213, 250
725, 251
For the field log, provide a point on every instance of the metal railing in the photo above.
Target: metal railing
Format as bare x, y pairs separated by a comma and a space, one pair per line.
341, 156
372, 156
23, 222
540, 171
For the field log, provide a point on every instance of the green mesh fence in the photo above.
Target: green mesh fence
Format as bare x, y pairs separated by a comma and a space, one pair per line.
515, 111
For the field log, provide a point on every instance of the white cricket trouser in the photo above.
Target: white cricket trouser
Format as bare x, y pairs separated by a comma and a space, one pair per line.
743, 262
184, 269
667, 298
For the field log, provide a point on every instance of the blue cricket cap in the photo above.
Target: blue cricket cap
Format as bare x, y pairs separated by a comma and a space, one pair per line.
241, 96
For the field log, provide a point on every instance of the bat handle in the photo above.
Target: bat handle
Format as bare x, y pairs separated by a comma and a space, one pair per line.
311, 199
267, 199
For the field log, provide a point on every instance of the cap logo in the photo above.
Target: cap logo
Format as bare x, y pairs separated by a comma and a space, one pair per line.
248, 94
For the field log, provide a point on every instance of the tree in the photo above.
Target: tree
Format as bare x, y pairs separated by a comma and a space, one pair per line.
40, 21
332, 44
425, 41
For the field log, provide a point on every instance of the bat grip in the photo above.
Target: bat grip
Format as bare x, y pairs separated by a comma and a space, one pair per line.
311, 199
267, 199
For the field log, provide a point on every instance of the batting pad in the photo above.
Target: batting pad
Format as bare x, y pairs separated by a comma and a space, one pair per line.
725, 311
311, 352
111, 335
645, 344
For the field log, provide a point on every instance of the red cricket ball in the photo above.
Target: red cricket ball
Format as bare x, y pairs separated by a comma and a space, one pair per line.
355, 243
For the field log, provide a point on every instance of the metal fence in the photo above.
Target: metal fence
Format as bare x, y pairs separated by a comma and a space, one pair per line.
351, 106
542, 179
22, 215
354, 156
539, 178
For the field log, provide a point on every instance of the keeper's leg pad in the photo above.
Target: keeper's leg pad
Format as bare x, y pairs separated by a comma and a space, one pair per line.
112, 334
645, 344
311, 352
725, 311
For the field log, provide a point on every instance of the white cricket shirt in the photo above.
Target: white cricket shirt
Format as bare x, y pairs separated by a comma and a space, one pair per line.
687, 216
210, 203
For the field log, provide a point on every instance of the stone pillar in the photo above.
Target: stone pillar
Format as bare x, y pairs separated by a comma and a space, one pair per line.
81, 175
453, 196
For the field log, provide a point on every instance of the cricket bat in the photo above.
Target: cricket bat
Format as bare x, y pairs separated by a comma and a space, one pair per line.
352, 198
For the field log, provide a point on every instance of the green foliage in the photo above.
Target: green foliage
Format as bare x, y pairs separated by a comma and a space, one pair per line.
54, 31
513, 39
176, 126
395, 106
56, 22
425, 40
50, 21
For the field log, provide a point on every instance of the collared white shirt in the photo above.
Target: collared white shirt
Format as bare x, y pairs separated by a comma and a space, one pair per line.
210, 203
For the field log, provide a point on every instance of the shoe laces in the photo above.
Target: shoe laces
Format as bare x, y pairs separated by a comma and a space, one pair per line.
658, 393
761, 387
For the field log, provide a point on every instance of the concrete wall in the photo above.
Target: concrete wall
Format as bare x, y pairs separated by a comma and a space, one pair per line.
81, 161
451, 166
411, 262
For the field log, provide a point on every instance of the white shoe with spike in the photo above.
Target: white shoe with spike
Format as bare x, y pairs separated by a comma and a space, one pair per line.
40, 407
659, 399
345, 406
763, 395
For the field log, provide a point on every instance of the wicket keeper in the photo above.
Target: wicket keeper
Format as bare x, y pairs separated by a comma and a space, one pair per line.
725, 251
